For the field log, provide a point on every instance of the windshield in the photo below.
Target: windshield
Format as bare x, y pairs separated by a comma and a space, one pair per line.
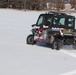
40, 21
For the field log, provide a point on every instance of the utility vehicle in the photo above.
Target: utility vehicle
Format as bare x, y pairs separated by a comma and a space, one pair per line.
56, 29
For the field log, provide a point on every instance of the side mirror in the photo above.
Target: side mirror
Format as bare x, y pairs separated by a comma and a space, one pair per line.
33, 25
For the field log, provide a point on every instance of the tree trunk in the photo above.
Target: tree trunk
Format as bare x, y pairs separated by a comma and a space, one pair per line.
24, 4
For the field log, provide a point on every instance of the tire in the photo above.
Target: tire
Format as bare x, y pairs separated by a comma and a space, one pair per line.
57, 44
30, 40
74, 46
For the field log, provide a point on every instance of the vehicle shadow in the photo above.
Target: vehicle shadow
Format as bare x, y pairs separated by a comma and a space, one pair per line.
41, 44
46, 45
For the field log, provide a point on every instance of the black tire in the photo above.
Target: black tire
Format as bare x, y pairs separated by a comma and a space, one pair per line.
74, 46
57, 44
30, 40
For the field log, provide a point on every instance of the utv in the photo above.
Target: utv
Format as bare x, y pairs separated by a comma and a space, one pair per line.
56, 29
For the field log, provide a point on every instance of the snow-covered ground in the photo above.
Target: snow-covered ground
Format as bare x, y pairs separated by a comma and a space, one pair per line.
18, 58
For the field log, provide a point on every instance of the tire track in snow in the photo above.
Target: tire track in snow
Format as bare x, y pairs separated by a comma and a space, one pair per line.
70, 73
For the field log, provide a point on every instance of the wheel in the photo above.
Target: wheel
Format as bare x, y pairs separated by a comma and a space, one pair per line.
30, 40
57, 44
74, 46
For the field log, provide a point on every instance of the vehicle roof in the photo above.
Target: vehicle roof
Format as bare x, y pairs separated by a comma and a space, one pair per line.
58, 14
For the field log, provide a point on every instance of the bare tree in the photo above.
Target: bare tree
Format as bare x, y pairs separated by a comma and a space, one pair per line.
24, 4
57, 4
60, 4
73, 3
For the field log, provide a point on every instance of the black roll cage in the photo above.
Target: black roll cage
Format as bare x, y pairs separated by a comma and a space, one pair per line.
62, 15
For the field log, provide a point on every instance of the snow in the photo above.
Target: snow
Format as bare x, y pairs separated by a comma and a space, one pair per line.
18, 58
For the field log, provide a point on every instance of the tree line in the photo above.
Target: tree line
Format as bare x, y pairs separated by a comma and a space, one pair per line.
23, 4
35, 4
